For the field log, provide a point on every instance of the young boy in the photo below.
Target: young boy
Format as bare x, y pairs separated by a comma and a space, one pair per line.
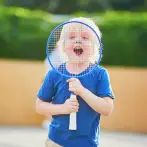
93, 91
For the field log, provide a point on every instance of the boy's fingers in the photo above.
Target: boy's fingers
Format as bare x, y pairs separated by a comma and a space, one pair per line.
71, 80
75, 108
75, 103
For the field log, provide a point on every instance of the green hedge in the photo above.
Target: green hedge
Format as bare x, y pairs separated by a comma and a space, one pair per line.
24, 33
125, 39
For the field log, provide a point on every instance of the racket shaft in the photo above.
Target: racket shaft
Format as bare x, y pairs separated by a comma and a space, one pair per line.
73, 123
73, 118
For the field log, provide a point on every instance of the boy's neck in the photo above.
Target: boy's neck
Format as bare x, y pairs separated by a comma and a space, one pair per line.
76, 68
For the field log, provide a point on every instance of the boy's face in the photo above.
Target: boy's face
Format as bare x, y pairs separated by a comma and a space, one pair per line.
78, 43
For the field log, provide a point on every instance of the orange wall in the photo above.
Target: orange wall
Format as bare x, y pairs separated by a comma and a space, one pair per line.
130, 110
20, 81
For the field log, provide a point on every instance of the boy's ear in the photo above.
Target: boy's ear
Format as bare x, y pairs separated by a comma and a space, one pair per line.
60, 45
94, 49
63, 45
94, 53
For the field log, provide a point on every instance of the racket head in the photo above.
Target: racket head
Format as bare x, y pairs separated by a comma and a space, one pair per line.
59, 64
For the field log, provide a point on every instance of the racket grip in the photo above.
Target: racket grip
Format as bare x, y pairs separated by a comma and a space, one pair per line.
73, 118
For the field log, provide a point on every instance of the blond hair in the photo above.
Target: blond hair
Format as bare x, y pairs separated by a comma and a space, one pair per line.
90, 23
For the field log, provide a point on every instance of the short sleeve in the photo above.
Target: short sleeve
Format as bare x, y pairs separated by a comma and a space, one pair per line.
46, 92
104, 85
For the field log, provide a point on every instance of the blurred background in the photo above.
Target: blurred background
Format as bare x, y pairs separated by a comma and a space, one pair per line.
24, 28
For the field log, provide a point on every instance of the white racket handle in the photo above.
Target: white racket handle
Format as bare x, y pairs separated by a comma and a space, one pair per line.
73, 118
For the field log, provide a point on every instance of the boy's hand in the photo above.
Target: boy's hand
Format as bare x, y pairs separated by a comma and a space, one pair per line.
75, 86
71, 105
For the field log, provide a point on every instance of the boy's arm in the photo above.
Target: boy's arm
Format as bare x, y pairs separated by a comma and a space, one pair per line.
102, 102
103, 106
49, 109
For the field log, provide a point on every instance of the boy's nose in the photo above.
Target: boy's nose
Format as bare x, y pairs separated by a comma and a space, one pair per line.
78, 41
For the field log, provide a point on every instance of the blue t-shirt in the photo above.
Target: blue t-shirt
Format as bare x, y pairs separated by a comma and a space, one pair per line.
55, 90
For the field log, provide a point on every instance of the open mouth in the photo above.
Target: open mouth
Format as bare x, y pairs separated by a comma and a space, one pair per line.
78, 51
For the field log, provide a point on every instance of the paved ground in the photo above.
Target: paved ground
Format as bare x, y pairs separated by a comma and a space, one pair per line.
34, 137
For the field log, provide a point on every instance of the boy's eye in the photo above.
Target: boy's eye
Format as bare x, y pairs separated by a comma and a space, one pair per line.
85, 37
72, 37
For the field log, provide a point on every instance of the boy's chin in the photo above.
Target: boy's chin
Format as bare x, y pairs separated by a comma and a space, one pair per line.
78, 60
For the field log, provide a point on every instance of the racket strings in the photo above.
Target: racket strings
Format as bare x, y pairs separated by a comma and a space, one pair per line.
56, 45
